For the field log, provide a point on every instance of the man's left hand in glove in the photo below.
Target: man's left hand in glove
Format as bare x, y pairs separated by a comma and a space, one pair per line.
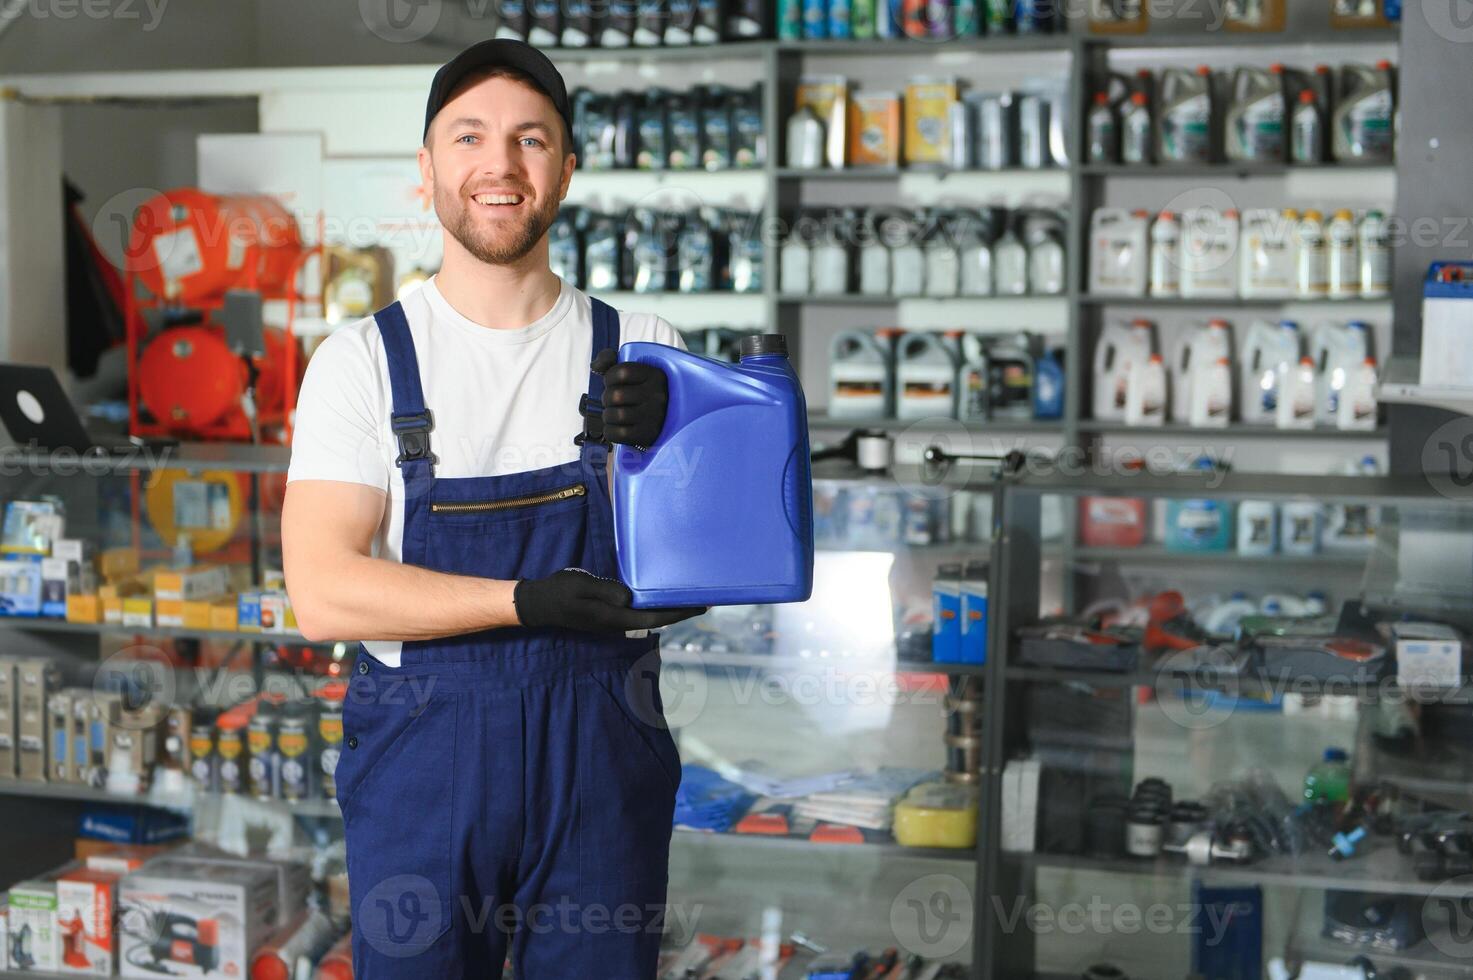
635, 399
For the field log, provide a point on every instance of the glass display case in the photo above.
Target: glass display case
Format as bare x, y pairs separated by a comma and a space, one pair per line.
1231, 727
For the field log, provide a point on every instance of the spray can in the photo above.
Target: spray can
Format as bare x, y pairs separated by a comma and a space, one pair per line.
996, 126
790, 20
1033, 132
1375, 256
1104, 131
1136, 130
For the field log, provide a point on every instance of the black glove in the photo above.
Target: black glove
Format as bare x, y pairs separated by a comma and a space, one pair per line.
634, 401
579, 600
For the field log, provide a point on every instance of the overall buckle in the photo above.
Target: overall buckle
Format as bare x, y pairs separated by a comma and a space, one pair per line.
592, 411
413, 433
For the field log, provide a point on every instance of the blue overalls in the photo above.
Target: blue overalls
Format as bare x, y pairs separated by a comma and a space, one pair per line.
513, 785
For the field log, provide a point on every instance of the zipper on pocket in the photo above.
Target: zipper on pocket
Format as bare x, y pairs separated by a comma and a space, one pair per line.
531, 500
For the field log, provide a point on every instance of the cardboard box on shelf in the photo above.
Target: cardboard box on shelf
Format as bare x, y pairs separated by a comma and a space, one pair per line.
20, 585
80, 550
197, 582
196, 614
138, 612
7, 720
118, 859
89, 736
248, 612
59, 579
87, 608
1428, 655
86, 905
225, 613
36, 679
215, 914
169, 612
33, 912
118, 564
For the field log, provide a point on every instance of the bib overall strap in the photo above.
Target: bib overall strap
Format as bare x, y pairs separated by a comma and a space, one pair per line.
410, 420
590, 406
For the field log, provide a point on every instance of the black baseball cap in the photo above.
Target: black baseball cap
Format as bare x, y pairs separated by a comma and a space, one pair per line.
500, 52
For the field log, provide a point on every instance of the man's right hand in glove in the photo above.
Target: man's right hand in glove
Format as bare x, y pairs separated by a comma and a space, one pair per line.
579, 600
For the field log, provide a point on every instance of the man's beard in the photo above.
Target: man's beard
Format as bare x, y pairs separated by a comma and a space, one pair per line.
497, 244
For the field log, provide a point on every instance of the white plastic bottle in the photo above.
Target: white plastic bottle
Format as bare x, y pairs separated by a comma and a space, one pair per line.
1375, 256
1258, 527
1338, 351
1266, 254
1010, 262
1269, 350
1295, 408
1145, 395
1196, 349
1166, 255
1209, 245
1343, 279
1212, 395
1136, 130
1118, 241
1311, 261
1301, 526
1357, 405
1120, 346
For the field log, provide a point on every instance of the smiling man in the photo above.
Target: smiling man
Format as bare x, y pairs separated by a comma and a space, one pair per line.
505, 784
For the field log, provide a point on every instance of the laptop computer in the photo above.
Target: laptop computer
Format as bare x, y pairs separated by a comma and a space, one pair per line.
37, 413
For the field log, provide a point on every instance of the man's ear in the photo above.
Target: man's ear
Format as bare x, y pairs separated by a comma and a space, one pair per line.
570, 163
426, 176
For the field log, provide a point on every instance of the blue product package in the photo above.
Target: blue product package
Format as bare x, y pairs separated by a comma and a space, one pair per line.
719, 510
132, 825
973, 648
815, 19
1199, 525
839, 19
20, 585
1228, 932
1048, 388
946, 604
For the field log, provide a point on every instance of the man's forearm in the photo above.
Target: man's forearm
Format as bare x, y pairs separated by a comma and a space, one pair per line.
355, 597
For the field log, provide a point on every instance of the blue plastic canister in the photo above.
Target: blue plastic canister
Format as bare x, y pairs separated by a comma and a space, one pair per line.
946, 609
719, 511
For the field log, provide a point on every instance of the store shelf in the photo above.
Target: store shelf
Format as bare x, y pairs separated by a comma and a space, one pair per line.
1225, 169
1225, 302
1353, 561
995, 44
192, 456
1381, 869
895, 173
1249, 39
859, 299
1429, 959
162, 632
856, 665
1399, 386
1234, 431
887, 850
725, 51
821, 421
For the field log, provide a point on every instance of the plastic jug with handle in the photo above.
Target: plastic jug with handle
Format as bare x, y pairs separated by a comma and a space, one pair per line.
719, 511
925, 377
1184, 119
1255, 118
1364, 121
1196, 349
862, 375
1120, 346
1338, 350
1269, 350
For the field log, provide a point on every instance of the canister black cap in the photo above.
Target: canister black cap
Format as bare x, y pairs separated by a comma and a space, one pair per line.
764, 343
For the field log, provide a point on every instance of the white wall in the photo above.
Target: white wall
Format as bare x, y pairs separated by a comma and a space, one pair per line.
32, 306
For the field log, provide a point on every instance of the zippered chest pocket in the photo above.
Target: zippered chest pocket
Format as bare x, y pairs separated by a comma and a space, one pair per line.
523, 505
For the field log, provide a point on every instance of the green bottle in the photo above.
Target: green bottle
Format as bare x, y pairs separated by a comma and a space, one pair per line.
862, 19
1329, 780
790, 20
999, 16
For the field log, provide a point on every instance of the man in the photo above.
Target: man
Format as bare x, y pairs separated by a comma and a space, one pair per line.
501, 783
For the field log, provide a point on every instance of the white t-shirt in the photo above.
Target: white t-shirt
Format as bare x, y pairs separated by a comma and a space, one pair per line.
504, 401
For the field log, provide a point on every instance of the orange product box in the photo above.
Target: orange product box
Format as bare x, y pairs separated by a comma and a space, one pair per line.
85, 608
874, 129
85, 903
224, 613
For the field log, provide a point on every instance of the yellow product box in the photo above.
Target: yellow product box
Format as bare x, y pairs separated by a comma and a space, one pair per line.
223, 613
827, 96
197, 582
122, 588
138, 611
112, 609
169, 612
118, 563
197, 614
874, 129
928, 120
86, 608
